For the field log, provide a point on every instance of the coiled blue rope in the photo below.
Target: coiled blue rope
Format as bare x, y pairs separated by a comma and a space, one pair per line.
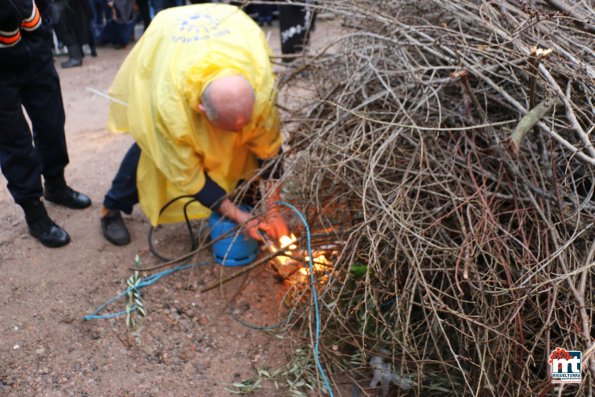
143, 283
314, 295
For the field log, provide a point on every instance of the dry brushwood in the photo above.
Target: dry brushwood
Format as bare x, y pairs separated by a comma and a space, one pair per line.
480, 259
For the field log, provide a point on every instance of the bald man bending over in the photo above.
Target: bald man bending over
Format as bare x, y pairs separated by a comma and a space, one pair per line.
197, 94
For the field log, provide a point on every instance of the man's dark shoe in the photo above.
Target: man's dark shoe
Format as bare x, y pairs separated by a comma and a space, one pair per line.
72, 63
61, 194
114, 229
75, 57
42, 227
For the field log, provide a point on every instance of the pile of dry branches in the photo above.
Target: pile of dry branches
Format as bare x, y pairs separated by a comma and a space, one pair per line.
451, 142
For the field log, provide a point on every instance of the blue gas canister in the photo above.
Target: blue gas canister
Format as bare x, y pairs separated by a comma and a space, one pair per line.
236, 248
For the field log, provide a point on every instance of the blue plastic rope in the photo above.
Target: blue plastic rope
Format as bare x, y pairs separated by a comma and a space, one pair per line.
143, 283
314, 295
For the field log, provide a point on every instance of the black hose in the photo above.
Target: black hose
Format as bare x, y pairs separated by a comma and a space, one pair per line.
193, 242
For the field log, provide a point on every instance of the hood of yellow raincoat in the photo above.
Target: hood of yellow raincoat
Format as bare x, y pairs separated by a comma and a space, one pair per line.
162, 80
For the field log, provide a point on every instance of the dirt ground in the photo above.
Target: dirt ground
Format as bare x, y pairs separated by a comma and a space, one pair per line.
189, 344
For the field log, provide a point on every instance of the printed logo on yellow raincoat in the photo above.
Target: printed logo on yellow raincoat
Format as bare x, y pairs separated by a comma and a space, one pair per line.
162, 80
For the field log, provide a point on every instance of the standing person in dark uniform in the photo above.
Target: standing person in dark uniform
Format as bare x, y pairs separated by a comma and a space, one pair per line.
295, 24
73, 28
29, 79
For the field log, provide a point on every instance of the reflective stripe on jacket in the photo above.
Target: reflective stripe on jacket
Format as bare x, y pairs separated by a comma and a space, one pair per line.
14, 16
25, 33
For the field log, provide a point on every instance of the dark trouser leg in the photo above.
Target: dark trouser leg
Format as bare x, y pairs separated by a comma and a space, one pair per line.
92, 46
19, 160
123, 194
42, 98
143, 9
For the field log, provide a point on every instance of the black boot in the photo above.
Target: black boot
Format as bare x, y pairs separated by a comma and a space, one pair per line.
58, 192
113, 227
42, 227
75, 57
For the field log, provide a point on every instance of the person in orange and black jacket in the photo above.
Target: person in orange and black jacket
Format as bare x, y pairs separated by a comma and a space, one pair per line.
29, 79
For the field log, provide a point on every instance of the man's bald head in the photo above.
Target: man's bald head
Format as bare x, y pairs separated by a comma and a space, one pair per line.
228, 102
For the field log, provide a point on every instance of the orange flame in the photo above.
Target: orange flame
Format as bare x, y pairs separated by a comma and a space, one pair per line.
320, 263
287, 241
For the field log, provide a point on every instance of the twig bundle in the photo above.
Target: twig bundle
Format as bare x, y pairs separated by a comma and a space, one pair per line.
476, 230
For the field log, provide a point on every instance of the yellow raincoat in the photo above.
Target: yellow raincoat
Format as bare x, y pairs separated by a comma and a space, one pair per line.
162, 81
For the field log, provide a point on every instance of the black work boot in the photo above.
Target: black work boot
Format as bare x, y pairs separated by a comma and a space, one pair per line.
113, 227
57, 191
75, 57
42, 227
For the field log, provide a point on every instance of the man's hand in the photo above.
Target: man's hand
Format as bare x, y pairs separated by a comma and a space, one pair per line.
252, 227
274, 225
250, 223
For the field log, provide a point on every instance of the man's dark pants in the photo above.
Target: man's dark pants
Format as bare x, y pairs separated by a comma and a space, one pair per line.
37, 88
123, 194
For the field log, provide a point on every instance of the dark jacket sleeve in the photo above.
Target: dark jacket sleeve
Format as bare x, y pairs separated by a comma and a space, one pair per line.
211, 195
25, 36
31, 17
10, 21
